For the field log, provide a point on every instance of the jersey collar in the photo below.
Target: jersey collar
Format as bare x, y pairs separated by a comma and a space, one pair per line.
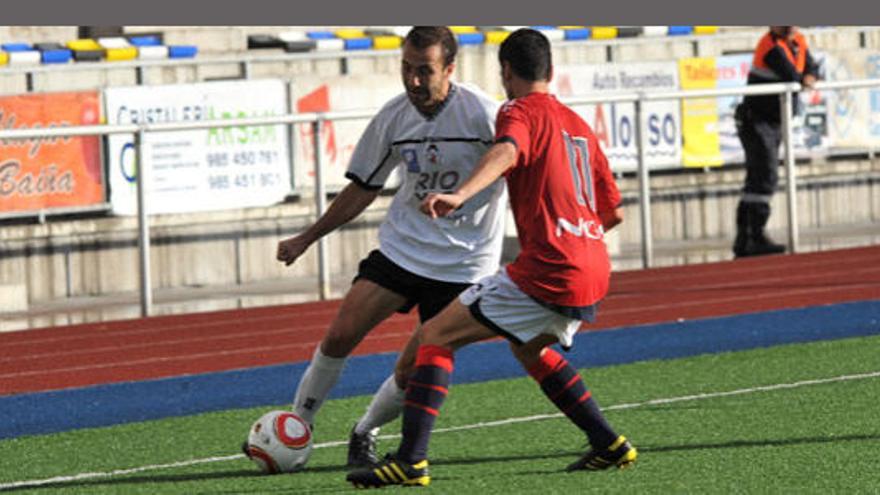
443, 104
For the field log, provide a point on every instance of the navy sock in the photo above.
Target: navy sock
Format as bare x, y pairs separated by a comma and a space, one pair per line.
562, 384
425, 392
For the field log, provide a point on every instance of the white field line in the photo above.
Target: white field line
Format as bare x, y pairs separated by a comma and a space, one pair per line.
487, 424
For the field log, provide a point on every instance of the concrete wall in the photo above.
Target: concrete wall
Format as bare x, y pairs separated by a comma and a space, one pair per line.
99, 256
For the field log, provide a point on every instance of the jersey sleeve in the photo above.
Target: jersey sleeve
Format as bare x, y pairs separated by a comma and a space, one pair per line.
607, 194
512, 125
373, 158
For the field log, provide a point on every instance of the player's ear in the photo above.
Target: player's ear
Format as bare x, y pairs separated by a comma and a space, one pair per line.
449, 69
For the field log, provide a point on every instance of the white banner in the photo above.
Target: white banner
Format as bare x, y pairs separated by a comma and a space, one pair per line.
331, 94
202, 169
614, 123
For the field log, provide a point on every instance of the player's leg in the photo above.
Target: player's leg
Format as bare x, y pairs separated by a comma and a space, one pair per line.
387, 404
366, 305
454, 327
562, 384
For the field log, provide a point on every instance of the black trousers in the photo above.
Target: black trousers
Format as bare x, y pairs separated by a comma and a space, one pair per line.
760, 140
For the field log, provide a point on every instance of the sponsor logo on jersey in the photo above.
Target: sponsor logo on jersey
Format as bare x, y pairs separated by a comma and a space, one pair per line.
583, 228
411, 158
433, 154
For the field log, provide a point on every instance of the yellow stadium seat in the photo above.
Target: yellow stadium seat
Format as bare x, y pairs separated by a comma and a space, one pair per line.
496, 37
350, 33
571, 27
705, 29
128, 53
604, 32
387, 42
83, 44
463, 29
4, 58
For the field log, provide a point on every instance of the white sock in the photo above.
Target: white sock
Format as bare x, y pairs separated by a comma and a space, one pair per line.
387, 405
315, 385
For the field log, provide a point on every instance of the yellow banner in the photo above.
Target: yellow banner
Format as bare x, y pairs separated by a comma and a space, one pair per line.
699, 116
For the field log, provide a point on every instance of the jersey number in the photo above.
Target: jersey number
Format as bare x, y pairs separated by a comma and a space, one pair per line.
579, 163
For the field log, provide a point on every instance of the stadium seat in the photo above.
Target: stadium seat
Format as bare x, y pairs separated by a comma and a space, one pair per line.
114, 42
28, 57
145, 41
182, 51
655, 30
4, 58
358, 43
705, 29
551, 32
117, 54
56, 56
330, 45
476, 38
496, 37
83, 44
573, 33
680, 30
259, 41
387, 42
629, 31
320, 35
604, 32
349, 34
16, 47
463, 29
293, 36
152, 52
299, 46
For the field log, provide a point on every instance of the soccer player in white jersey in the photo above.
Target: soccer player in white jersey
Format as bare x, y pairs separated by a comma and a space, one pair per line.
437, 131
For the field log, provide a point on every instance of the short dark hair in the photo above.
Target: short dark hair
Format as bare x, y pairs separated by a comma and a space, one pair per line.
528, 53
422, 37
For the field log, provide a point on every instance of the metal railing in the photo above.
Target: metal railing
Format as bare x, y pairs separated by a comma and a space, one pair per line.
784, 90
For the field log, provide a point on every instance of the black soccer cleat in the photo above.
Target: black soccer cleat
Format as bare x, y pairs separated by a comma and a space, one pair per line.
391, 472
362, 450
621, 454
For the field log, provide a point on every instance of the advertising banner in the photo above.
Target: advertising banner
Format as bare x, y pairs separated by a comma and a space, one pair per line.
200, 170
855, 113
708, 127
45, 173
614, 123
331, 94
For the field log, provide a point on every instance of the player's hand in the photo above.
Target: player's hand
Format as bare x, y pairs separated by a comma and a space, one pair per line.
809, 81
290, 249
440, 205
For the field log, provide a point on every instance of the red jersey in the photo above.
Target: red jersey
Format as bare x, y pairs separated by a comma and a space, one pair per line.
560, 182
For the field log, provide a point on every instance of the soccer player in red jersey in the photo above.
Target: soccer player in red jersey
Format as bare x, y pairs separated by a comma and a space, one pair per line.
564, 198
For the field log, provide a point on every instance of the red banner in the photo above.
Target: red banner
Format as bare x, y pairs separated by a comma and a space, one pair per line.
43, 173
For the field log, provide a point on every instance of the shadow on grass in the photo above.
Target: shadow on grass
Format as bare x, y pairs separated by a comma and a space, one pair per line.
648, 448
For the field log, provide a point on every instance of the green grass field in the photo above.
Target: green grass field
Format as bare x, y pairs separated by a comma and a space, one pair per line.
817, 436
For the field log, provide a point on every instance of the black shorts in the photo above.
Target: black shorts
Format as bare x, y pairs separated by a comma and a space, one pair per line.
429, 295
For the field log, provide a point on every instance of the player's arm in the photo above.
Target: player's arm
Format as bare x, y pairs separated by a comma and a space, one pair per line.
353, 200
500, 158
611, 218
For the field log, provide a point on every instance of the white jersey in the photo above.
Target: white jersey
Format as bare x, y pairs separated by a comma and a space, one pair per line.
436, 155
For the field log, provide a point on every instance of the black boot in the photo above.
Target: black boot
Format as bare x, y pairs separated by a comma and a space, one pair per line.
758, 243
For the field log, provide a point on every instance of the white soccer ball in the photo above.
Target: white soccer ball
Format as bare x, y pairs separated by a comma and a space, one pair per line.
280, 442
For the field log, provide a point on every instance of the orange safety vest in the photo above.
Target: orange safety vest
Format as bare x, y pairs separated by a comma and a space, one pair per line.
768, 42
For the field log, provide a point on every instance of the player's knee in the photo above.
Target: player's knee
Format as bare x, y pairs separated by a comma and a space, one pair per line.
402, 372
338, 342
